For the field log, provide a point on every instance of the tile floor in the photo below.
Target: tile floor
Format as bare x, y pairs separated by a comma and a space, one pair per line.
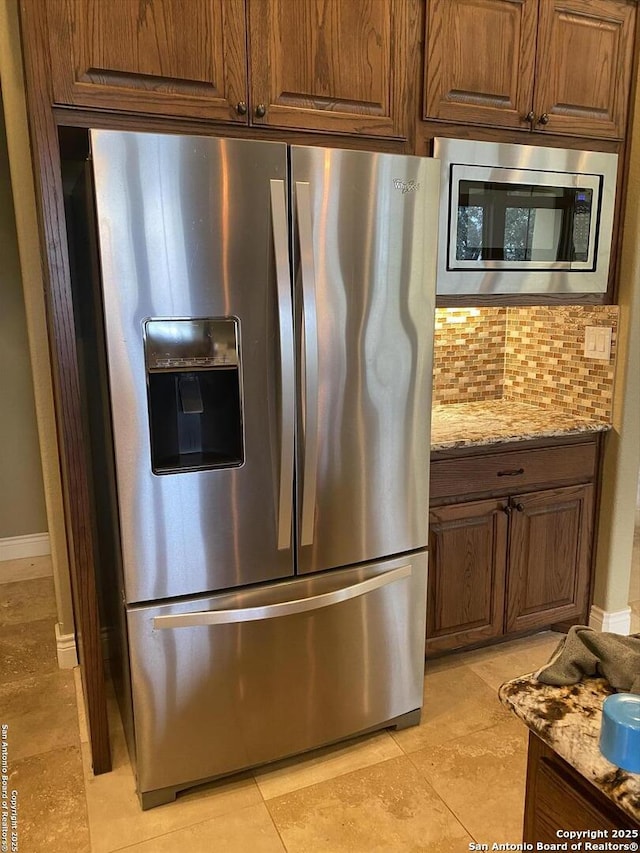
457, 777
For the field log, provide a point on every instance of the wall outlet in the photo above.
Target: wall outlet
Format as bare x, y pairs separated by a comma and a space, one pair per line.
597, 342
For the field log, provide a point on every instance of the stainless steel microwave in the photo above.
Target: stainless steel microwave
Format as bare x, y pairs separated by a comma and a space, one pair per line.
523, 218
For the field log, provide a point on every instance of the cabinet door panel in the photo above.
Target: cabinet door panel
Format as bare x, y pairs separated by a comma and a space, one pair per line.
549, 557
480, 61
583, 71
468, 545
334, 65
160, 56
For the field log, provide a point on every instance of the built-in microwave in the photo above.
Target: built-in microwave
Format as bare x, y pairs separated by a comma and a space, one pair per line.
523, 218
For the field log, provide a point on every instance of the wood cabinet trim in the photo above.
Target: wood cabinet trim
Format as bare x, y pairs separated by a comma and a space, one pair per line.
64, 362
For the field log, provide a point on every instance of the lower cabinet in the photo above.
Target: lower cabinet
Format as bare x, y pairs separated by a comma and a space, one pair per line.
549, 555
559, 800
467, 573
509, 563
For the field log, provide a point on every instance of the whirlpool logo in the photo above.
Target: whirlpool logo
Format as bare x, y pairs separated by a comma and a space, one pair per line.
406, 186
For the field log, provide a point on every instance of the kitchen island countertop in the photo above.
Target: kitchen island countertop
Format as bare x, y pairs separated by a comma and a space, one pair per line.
487, 422
568, 720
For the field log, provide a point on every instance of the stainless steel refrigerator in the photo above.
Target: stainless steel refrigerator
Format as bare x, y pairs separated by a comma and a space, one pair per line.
268, 318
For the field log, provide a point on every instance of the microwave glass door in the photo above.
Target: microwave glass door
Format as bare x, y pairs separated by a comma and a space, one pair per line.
521, 219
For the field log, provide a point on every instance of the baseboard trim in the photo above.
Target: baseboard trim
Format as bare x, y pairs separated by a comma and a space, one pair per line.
18, 547
66, 649
615, 621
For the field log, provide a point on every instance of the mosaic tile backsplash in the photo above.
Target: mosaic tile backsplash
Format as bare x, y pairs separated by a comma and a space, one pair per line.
529, 354
469, 346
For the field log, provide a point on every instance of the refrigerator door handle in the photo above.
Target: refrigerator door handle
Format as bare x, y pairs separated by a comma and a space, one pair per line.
287, 375
310, 380
282, 608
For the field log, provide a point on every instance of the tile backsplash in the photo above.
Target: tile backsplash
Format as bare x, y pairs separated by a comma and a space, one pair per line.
532, 354
468, 358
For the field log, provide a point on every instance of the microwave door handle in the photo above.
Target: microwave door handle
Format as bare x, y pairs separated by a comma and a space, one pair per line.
310, 372
287, 370
282, 608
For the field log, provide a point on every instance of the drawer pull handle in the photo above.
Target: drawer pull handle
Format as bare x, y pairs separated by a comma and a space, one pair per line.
281, 608
516, 472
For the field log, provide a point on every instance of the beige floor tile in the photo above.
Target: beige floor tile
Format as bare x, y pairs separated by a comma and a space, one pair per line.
323, 764
40, 712
25, 569
514, 659
387, 807
27, 601
456, 702
27, 649
116, 819
481, 777
536, 645
52, 811
248, 830
444, 663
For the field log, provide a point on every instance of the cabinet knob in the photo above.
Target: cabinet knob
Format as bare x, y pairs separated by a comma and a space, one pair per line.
261, 110
530, 116
507, 510
544, 118
520, 507
241, 108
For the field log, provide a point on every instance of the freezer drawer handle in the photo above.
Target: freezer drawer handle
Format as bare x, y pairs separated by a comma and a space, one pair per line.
310, 398
283, 608
287, 377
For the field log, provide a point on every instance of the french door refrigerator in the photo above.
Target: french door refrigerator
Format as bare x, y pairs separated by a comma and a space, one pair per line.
268, 318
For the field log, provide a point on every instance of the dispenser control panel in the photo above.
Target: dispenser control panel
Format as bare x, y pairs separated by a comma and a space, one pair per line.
193, 344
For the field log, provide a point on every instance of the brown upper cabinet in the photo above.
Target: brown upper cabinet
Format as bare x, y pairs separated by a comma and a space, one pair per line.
330, 65
557, 66
160, 57
325, 65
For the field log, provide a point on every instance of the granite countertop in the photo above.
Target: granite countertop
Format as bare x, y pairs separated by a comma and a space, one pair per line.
494, 421
568, 720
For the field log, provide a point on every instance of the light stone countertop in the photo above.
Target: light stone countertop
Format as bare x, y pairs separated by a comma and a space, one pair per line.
493, 421
568, 720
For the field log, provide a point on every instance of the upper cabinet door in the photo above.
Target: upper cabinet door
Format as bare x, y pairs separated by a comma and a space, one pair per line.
585, 50
163, 57
480, 60
330, 65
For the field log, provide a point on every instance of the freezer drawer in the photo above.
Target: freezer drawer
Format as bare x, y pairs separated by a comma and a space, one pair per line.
236, 680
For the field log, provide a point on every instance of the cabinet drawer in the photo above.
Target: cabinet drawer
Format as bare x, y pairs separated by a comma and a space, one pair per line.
514, 471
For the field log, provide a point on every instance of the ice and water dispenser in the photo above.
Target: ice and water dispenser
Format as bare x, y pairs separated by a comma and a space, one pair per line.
194, 392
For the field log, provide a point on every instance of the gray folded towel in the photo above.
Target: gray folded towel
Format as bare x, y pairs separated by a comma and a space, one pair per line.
585, 652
